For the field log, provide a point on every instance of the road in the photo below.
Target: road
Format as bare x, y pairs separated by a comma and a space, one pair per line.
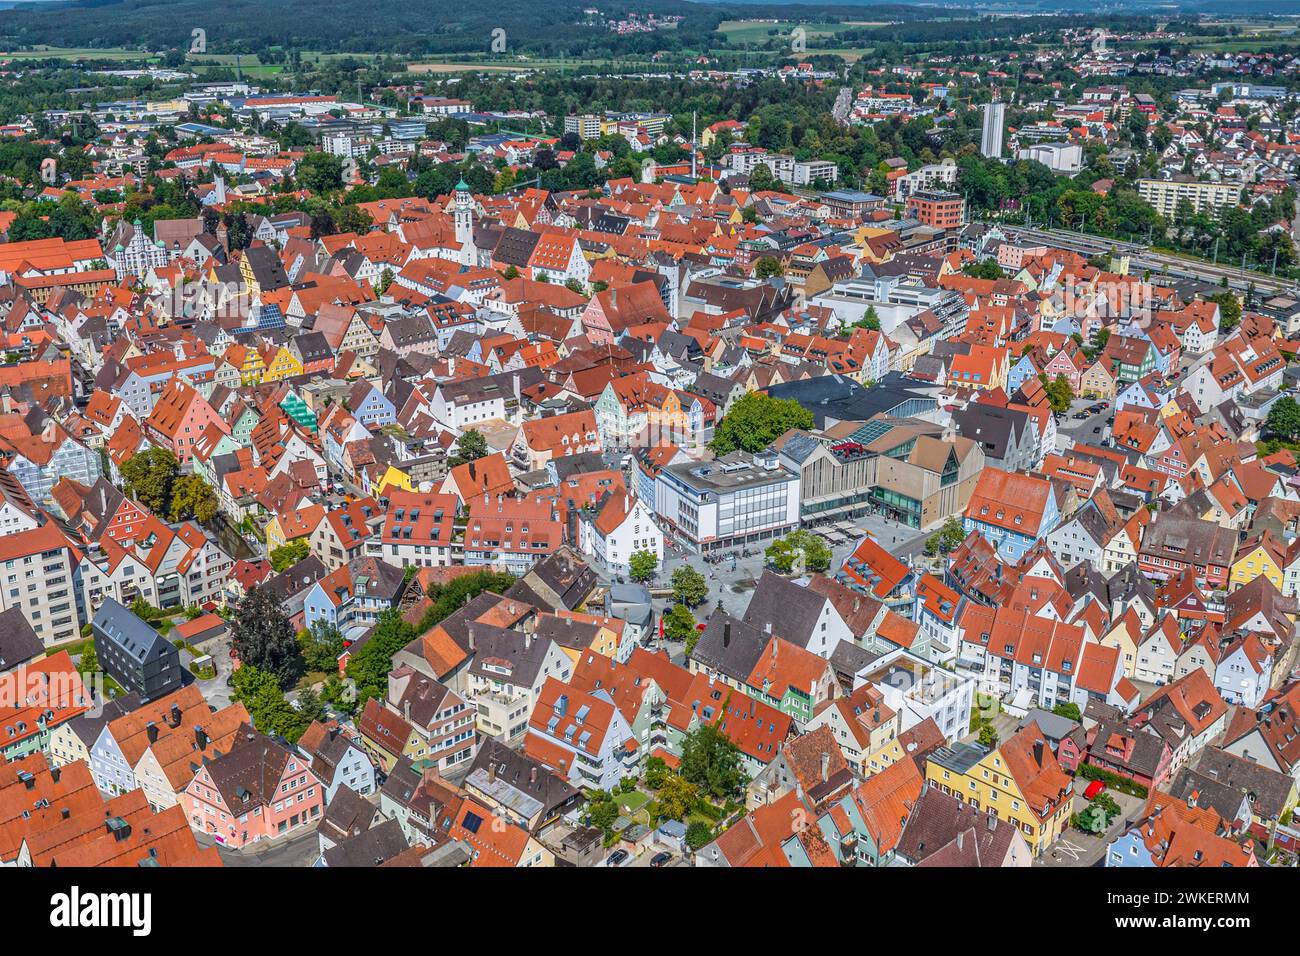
301, 849
1143, 259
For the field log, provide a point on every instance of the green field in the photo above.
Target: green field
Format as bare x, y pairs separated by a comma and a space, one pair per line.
78, 53
759, 32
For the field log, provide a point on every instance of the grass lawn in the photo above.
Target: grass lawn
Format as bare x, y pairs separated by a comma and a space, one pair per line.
40, 52
310, 679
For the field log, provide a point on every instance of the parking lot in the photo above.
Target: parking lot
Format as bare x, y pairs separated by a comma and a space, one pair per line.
1087, 422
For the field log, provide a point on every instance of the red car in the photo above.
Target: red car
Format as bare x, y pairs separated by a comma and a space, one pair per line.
1094, 788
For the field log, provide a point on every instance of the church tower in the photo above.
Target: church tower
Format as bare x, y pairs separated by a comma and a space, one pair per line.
464, 222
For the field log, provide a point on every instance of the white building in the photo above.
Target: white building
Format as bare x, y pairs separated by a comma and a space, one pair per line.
917, 689
622, 527
735, 501
1066, 158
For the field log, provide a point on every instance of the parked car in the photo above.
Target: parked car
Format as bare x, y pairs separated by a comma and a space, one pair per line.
660, 859
617, 858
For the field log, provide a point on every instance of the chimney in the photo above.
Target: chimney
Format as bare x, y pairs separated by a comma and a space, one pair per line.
151, 731
726, 633
826, 766
492, 773
1192, 798
55, 774
470, 632
200, 738
627, 504
992, 821
960, 835
176, 715
406, 711
767, 627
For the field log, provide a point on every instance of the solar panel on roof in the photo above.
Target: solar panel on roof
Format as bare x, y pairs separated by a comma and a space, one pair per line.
472, 822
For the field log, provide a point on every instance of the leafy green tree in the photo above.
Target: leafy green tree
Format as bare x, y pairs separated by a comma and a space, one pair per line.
320, 172
192, 497
712, 761
784, 553
656, 772
287, 555
1059, 394
470, 447
689, 586
987, 269
1284, 417
263, 637
1068, 710
755, 420
261, 694
148, 478
698, 834
679, 623
1229, 311
641, 566
321, 644
88, 662
677, 797
602, 814
946, 538
369, 667
767, 267
988, 736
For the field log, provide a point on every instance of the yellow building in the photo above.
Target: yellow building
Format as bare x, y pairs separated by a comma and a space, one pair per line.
248, 361
393, 477
1020, 782
1261, 556
577, 634
284, 365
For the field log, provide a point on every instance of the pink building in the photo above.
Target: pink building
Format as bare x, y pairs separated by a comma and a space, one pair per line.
258, 790
180, 416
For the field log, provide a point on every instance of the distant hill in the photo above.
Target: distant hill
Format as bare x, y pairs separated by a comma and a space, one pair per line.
389, 26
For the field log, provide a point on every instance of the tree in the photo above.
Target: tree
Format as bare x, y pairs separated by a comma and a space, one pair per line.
148, 478
192, 497
767, 267
988, 269
755, 420
711, 761
679, 623
1059, 394
262, 696
1229, 311
1284, 417
799, 550
88, 662
470, 447
320, 172
699, 834
321, 644
1068, 710
369, 667
642, 565
287, 555
263, 637
946, 538
988, 736
656, 772
689, 586
677, 797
